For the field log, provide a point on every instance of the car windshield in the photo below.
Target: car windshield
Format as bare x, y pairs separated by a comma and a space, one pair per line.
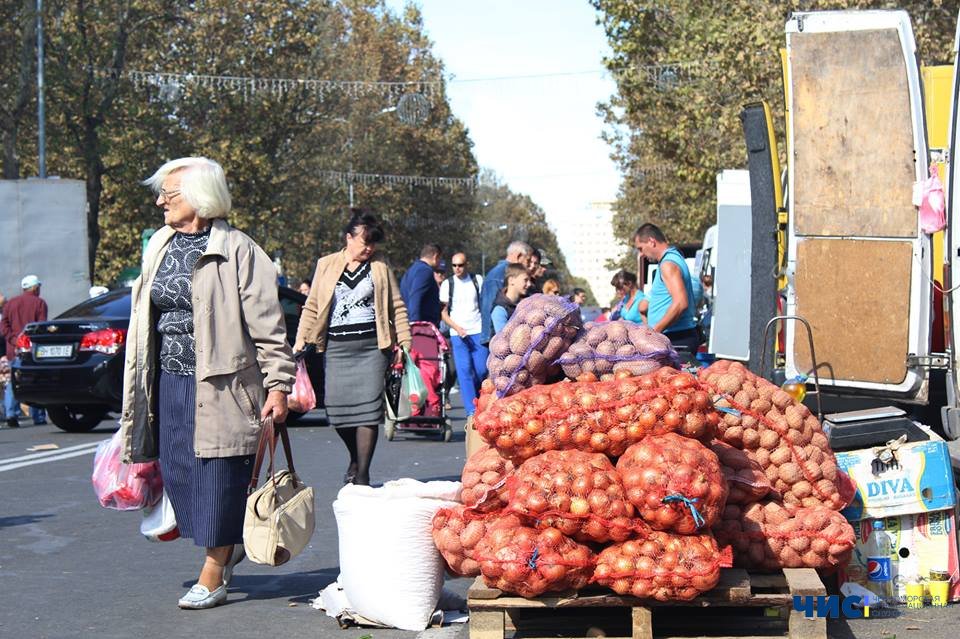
113, 304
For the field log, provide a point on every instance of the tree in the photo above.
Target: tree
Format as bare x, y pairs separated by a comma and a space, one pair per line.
17, 87
113, 118
502, 216
683, 74
88, 52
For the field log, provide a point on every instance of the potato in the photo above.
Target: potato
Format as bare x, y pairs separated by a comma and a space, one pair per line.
520, 339
769, 439
499, 347
780, 456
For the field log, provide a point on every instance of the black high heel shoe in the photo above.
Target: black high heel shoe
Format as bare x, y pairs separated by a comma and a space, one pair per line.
350, 475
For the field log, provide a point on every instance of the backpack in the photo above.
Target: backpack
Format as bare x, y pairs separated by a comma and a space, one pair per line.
452, 279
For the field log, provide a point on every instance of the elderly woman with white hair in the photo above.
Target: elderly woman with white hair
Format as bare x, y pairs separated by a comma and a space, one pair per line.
206, 360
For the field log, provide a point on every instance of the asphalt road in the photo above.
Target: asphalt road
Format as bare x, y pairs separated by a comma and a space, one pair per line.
69, 568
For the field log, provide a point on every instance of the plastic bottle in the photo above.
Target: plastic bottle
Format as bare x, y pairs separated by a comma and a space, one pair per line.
879, 550
796, 387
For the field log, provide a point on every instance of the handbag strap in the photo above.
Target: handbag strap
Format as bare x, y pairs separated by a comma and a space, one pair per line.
269, 433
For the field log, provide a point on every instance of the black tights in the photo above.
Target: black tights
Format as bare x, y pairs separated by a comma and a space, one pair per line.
361, 441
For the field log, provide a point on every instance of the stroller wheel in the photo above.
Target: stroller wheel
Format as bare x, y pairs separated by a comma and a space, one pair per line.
447, 432
389, 428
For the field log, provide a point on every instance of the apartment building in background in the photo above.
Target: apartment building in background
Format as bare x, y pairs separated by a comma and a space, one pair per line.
588, 243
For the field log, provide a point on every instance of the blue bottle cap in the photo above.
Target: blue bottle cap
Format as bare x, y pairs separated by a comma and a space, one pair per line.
877, 524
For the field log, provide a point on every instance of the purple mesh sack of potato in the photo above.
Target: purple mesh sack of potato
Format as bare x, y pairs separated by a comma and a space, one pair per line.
607, 347
540, 330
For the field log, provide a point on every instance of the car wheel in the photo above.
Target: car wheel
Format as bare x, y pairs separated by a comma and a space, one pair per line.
77, 419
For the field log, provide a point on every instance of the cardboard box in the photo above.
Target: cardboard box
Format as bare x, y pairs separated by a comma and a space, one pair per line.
920, 480
923, 541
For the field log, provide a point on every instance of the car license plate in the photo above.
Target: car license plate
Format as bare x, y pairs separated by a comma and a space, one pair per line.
45, 351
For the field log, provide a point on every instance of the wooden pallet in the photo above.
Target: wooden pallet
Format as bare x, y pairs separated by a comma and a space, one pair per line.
742, 605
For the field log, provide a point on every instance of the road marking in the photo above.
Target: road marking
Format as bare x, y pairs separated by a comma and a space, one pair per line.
14, 463
49, 453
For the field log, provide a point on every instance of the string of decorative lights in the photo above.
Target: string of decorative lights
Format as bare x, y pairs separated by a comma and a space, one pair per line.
660, 74
249, 86
346, 178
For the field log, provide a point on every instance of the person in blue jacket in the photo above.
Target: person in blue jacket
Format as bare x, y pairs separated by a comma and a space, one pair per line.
493, 282
419, 288
670, 306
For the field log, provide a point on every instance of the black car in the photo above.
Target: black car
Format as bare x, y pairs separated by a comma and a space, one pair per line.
73, 365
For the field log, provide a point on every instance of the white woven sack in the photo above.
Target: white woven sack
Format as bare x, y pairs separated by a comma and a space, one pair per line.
390, 569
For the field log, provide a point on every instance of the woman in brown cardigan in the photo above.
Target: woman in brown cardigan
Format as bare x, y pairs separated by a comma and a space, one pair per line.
355, 316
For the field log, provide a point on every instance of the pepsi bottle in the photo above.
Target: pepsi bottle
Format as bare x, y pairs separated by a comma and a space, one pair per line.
879, 565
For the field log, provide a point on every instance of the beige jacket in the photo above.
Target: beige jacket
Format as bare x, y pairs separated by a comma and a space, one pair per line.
241, 347
389, 309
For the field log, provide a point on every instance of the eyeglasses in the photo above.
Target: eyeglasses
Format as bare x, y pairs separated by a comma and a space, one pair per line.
166, 196
458, 265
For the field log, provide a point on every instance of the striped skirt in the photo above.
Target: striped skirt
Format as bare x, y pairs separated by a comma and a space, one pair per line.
209, 495
353, 388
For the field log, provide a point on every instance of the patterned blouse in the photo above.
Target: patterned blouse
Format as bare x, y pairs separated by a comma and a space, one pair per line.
352, 316
171, 294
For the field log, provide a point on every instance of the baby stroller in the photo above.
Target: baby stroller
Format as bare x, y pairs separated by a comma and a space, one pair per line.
430, 352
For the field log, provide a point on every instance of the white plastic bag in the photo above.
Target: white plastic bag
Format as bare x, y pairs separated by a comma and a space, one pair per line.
390, 569
159, 522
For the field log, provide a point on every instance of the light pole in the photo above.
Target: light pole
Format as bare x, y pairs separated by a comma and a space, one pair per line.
41, 104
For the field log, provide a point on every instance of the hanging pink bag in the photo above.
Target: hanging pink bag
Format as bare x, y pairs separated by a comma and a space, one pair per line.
122, 486
302, 399
932, 203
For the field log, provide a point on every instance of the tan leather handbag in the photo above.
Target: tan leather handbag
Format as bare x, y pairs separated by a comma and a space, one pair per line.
279, 520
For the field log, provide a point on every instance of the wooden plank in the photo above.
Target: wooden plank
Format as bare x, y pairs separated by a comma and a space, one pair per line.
759, 581
735, 583
642, 623
480, 590
800, 627
843, 311
486, 624
804, 581
853, 144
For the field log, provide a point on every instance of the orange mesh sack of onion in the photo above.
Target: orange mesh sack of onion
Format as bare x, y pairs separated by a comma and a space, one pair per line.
577, 493
530, 562
674, 482
597, 416
662, 566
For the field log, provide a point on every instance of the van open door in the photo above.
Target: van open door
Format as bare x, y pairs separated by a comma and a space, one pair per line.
951, 412
858, 263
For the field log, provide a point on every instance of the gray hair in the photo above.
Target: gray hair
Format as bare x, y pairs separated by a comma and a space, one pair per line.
203, 185
520, 248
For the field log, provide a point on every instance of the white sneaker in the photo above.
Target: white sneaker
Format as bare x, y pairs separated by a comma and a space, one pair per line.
199, 598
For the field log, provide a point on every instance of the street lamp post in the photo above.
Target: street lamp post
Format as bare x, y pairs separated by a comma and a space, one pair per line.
41, 103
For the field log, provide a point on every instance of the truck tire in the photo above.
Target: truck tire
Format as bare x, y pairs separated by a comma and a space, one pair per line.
77, 419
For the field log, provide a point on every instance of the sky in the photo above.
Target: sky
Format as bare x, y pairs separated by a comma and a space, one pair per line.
541, 135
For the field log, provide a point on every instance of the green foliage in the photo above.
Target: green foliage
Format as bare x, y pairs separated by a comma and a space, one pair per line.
108, 131
501, 216
671, 134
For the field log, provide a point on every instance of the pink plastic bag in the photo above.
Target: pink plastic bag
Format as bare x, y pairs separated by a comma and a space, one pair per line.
302, 398
932, 203
124, 486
